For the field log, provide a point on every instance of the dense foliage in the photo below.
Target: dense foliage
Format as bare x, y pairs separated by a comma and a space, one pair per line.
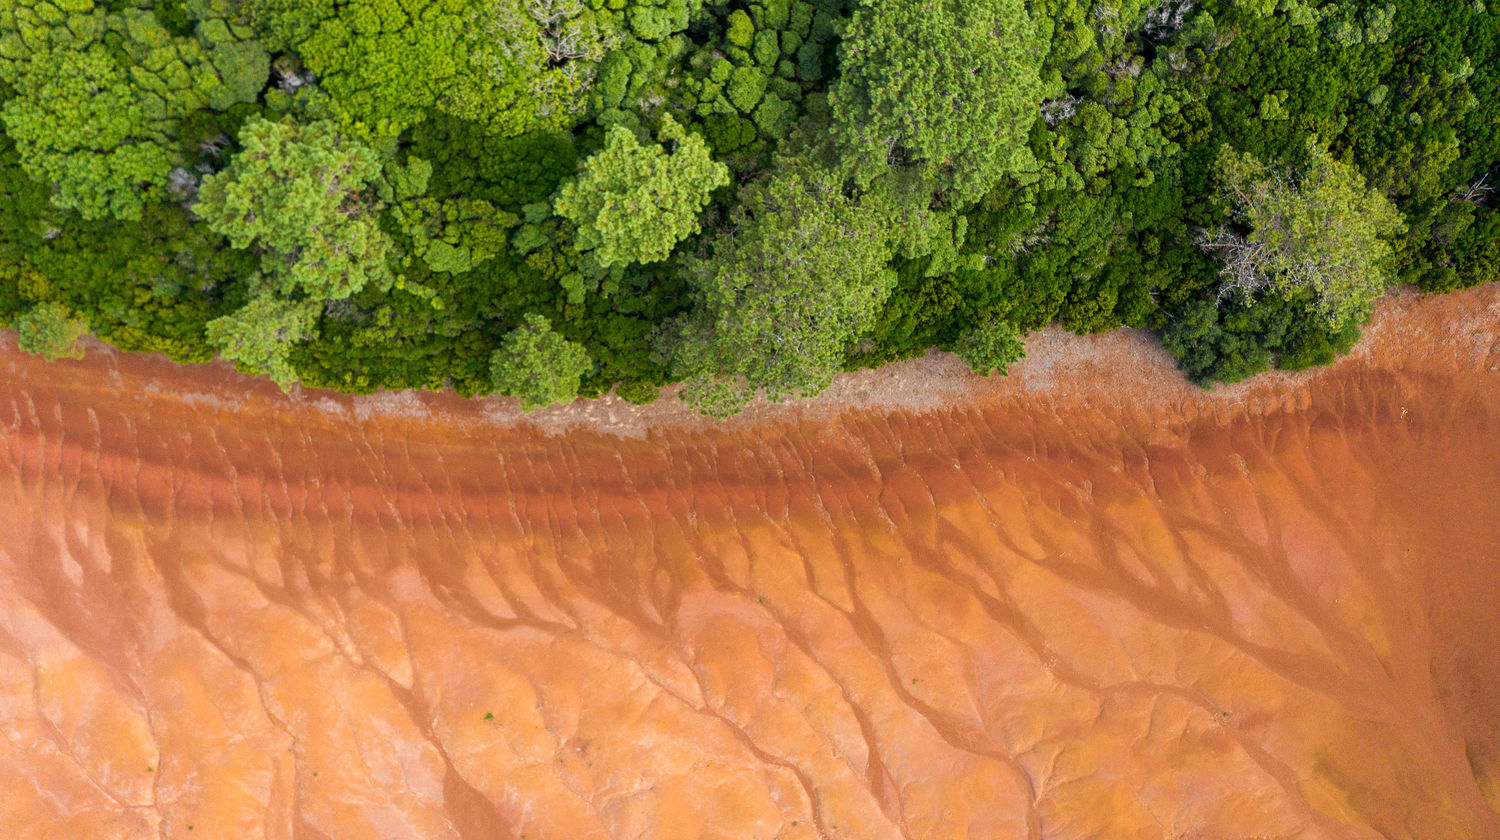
990, 348
547, 198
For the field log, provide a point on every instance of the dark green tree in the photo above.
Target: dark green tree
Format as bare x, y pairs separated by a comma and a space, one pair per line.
801, 272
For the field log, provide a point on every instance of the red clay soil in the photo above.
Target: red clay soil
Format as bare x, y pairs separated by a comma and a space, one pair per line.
1087, 601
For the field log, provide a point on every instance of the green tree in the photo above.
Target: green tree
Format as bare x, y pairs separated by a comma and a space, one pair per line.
990, 347
301, 193
1324, 233
79, 126
454, 235
538, 365
509, 65
50, 331
285, 24
800, 273
949, 86
303, 196
100, 93
1226, 341
634, 203
259, 336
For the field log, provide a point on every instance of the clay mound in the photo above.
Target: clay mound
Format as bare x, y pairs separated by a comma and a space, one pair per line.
1089, 601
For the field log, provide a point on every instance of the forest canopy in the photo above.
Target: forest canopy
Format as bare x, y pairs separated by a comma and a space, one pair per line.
553, 198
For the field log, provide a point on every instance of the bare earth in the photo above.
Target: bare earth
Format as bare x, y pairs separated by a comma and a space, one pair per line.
1084, 601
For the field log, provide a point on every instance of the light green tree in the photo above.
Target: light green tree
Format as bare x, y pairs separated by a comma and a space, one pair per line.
1324, 232
538, 365
302, 194
991, 346
259, 336
50, 331
633, 203
801, 272
80, 126
949, 87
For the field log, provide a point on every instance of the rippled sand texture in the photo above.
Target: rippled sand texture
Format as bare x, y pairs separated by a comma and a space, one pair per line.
1089, 602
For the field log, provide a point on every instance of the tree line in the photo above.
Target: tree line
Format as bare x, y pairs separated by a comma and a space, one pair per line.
553, 198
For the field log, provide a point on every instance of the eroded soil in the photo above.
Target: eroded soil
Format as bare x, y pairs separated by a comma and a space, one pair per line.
1088, 601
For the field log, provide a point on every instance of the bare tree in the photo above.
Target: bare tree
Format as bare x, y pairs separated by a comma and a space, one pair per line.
561, 42
1106, 16
1241, 262
1166, 18
1055, 111
1477, 192
182, 186
550, 13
